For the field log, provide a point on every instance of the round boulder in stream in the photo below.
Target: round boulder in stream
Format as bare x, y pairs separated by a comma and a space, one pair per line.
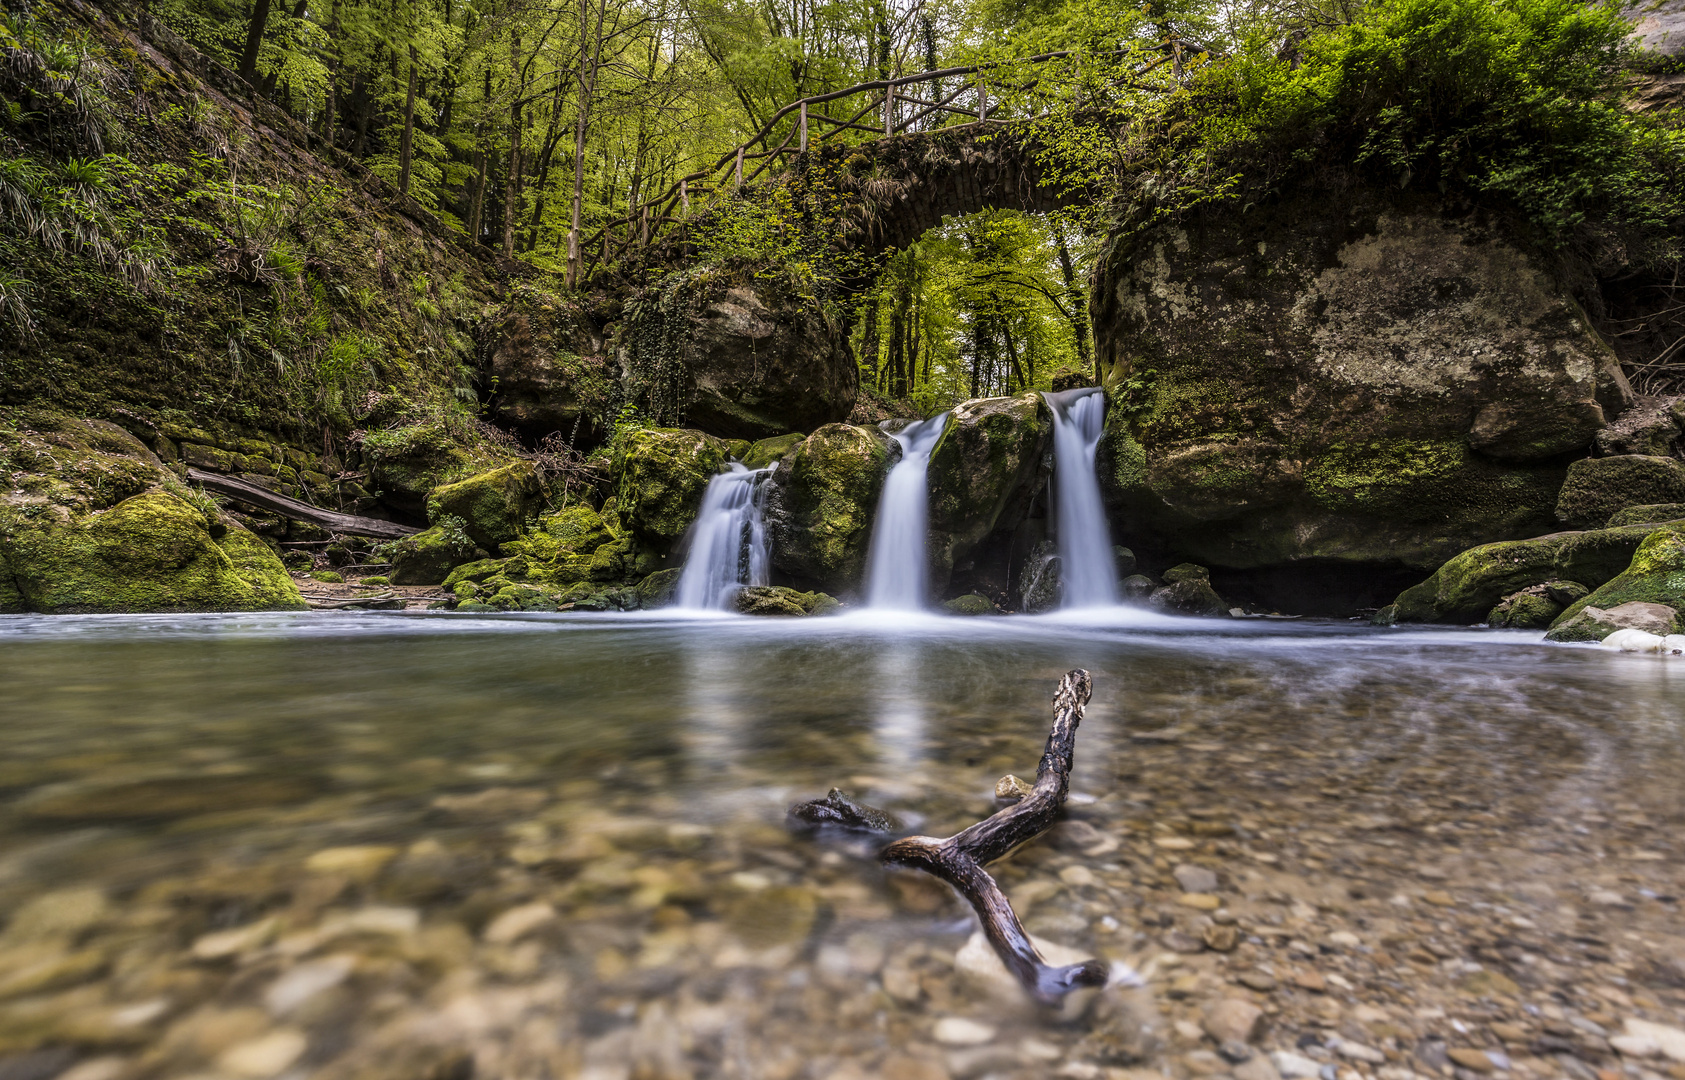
984, 473
820, 509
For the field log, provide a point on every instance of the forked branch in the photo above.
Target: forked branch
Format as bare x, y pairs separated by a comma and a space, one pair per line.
959, 860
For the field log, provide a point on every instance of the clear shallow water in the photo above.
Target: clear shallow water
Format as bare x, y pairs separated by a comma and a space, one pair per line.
555, 844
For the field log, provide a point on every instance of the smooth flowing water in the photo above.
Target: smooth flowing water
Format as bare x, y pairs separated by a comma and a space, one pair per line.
1088, 568
366, 845
729, 546
898, 564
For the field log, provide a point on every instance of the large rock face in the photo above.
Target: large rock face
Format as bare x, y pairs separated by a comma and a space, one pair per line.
1339, 379
984, 472
822, 504
550, 373
742, 361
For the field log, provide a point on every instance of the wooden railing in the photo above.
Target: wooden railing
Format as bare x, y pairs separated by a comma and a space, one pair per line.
892, 108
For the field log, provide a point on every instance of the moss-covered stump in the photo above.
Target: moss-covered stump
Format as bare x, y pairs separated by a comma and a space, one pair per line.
1656, 513
984, 472
494, 506
1470, 585
1598, 487
661, 475
777, 600
1347, 375
821, 506
152, 552
1535, 607
770, 451
1655, 578
429, 556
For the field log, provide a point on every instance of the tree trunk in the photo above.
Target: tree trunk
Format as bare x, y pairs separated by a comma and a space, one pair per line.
550, 138
512, 181
590, 55
406, 145
254, 41
1078, 305
477, 198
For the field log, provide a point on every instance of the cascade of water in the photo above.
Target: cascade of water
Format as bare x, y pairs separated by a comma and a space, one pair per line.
896, 566
728, 543
1087, 566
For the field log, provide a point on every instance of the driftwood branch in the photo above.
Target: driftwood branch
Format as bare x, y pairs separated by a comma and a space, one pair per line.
252, 495
959, 860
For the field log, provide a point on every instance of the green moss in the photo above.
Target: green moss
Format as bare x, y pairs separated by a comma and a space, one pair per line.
332, 577
828, 490
769, 451
970, 604
661, 475
153, 552
1598, 487
493, 506
11, 600
427, 557
1383, 477
986, 462
657, 589
777, 600
1471, 584
1655, 512
1656, 575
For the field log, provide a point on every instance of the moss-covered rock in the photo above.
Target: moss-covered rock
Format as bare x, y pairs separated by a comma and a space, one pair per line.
494, 506
1346, 375
1597, 487
661, 475
1470, 585
1535, 607
1591, 623
770, 451
152, 552
821, 506
550, 369
1656, 575
1655, 513
428, 557
970, 604
1187, 589
656, 590
777, 600
984, 471
11, 600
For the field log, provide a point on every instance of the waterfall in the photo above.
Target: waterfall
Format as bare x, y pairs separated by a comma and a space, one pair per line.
728, 543
1088, 569
897, 565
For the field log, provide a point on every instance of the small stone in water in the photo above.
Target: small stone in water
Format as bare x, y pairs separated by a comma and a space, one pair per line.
1077, 876
517, 922
958, 1031
1200, 901
1358, 1052
1195, 879
1257, 980
1258, 1067
1471, 1059
1293, 1066
1235, 1051
266, 1056
360, 862
1224, 939
1233, 1018
304, 982
1010, 788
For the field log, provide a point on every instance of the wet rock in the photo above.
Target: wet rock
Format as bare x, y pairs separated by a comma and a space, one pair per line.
837, 810
820, 509
770, 451
305, 981
1648, 427
958, 1031
1291, 1066
1195, 879
428, 557
1471, 1059
1222, 939
1261, 981
518, 922
984, 471
1038, 581
361, 862
1469, 586
658, 589
493, 506
1188, 590
1651, 585
164, 796
1669, 1040
776, 600
1257, 1067
1136, 587
264, 1057
1233, 1018
492, 804
1535, 607
1597, 487
773, 916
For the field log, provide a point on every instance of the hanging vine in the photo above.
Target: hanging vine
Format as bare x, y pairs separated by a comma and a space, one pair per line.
657, 383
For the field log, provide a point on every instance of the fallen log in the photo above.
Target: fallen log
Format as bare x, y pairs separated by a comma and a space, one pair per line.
264, 499
959, 859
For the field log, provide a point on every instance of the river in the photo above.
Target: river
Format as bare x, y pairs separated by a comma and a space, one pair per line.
370, 845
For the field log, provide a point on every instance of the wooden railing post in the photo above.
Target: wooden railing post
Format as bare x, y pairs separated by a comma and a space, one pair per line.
982, 98
804, 127
739, 173
684, 195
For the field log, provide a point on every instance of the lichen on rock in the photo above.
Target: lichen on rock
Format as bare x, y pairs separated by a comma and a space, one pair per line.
1598, 487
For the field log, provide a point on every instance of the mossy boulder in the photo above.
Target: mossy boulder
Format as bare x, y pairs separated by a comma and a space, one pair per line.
563, 549
427, 557
820, 510
1187, 590
1346, 375
656, 590
550, 369
494, 506
11, 600
1535, 607
409, 461
1470, 585
1598, 487
661, 474
1591, 623
152, 552
770, 451
970, 604
984, 472
1656, 576
777, 600
1655, 513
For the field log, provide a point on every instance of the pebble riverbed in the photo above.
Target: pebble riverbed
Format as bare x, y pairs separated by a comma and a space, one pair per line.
434, 847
